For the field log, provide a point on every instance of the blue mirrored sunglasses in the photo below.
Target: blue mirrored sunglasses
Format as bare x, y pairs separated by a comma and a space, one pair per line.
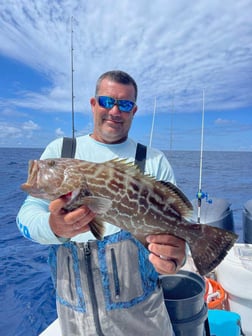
122, 104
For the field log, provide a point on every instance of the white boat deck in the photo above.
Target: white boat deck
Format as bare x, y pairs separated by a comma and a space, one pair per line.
52, 330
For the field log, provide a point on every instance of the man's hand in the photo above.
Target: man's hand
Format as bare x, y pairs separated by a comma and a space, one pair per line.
167, 253
69, 224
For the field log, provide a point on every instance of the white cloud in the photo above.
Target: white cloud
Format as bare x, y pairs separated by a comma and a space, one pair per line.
225, 122
30, 126
9, 131
170, 48
59, 132
9, 112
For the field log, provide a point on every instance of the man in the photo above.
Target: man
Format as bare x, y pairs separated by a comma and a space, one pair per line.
107, 287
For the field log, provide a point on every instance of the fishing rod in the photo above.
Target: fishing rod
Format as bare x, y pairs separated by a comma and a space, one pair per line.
72, 78
171, 124
200, 194
153, 121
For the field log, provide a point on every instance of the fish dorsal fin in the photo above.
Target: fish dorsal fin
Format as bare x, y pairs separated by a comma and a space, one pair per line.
183, 206
173, 194
129, 168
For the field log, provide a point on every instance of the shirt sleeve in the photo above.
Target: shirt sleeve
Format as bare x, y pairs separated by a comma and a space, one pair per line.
33, 222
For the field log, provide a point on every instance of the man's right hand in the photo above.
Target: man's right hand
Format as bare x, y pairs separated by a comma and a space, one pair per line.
69, 224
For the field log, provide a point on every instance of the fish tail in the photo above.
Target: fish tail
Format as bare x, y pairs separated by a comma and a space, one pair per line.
211, 247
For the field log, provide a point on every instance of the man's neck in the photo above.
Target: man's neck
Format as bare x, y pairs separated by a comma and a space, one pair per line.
106, 141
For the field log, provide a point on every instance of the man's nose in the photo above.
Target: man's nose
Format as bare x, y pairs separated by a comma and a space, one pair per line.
115, 110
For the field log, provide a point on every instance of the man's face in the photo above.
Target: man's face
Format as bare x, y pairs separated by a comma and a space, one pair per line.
112, 125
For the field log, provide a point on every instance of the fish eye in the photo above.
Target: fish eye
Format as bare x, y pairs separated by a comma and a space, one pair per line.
51, 163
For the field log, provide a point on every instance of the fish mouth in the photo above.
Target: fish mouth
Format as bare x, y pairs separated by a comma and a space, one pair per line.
32, 176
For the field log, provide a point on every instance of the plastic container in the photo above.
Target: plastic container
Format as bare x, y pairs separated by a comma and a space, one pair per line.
235, 276
215, 295
224, 323
184, 300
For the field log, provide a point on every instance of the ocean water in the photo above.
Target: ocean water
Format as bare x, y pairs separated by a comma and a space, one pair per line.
26, 293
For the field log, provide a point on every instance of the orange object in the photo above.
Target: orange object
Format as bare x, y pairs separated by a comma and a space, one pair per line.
215, 295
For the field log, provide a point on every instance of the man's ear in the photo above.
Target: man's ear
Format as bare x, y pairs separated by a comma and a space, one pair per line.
134, 109
93, 102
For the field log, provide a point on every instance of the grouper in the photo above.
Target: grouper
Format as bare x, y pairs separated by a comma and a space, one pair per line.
118, 193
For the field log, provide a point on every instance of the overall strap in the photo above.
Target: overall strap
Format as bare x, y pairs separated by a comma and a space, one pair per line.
68, 147
140, 157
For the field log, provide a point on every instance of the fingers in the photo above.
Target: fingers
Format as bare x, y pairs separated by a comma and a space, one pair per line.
82, 214
69, 224
57, 205
163, 266
167, 253
164, 239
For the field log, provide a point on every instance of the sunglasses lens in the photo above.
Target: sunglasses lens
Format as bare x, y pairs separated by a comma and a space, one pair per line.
108, 102
125, 105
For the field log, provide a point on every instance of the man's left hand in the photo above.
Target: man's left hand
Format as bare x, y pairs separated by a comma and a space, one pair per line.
167, 253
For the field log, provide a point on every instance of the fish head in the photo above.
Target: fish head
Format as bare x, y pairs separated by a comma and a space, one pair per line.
51, 178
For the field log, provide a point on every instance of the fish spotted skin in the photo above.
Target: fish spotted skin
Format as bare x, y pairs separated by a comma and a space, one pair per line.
120, 194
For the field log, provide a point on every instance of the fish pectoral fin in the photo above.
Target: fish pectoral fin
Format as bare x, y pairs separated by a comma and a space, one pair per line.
97, 228
98, 205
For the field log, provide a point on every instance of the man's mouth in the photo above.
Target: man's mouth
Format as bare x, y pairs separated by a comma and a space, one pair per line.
114, 121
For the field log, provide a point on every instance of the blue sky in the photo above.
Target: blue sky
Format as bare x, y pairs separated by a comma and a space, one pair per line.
174, 50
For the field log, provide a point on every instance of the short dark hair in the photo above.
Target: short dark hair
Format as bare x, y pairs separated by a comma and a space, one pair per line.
117, 76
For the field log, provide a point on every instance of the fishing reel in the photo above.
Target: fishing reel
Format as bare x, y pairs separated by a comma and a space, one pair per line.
203, 195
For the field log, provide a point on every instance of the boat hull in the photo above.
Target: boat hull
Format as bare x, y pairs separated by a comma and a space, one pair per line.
216, 213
